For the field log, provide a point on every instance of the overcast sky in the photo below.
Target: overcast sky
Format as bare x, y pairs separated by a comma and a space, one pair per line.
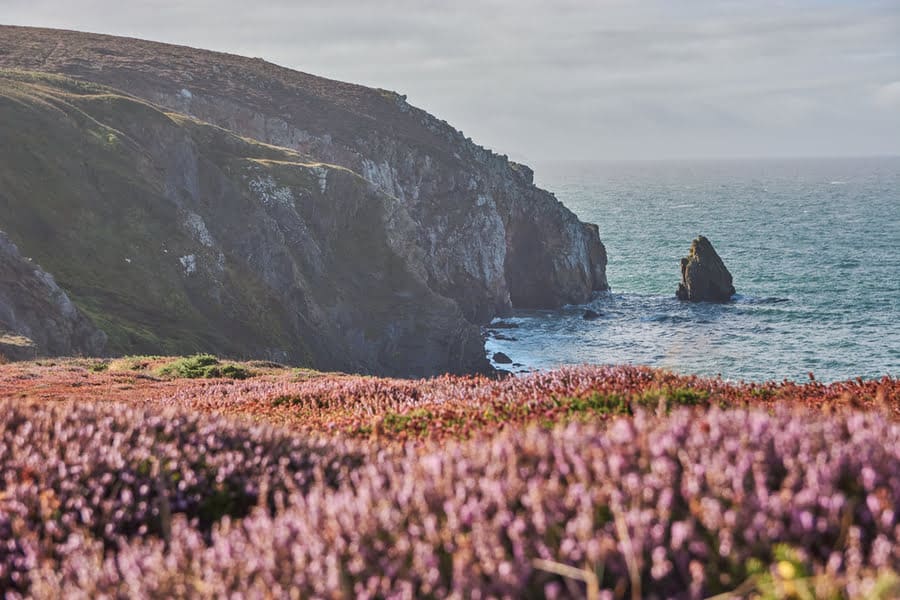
601, 79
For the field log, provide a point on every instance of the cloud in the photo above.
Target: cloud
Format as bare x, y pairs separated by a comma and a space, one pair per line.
888, 96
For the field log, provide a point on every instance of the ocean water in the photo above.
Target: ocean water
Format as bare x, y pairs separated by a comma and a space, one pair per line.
813, 246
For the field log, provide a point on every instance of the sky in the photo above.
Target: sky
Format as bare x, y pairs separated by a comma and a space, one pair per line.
571, 79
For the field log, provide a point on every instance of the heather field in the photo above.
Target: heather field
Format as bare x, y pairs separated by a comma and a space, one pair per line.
163, 477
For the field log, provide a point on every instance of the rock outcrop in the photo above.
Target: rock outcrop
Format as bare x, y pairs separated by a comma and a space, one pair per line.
37, 318
502, 359
704, 277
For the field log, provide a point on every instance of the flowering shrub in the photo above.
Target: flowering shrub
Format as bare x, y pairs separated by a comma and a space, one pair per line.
460, 407
109, 472
102, 499
444, 407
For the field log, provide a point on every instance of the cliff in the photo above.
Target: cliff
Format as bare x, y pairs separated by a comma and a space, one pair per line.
177, 236
471, 227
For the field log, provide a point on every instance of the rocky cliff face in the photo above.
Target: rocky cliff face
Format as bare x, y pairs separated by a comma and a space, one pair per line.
177, 236
36, 316
456, 233
492, 240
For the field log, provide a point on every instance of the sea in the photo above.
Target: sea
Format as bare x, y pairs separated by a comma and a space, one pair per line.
813, 246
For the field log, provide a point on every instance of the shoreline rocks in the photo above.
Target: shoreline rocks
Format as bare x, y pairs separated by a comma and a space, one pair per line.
704, 277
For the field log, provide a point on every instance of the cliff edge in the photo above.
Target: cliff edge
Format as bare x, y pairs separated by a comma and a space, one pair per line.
472, 227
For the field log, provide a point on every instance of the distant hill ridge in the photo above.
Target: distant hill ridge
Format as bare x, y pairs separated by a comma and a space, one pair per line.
192, 200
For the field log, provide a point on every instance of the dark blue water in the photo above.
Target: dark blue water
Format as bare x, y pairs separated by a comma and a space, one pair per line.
813, 245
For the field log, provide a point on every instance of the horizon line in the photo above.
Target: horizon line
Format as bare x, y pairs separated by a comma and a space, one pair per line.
675, 159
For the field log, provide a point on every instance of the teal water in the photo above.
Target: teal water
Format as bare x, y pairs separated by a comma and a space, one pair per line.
813, 245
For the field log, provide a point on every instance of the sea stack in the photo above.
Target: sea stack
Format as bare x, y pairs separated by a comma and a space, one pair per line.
704, 277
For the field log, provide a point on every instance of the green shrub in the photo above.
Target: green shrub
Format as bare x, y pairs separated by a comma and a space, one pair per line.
203, 366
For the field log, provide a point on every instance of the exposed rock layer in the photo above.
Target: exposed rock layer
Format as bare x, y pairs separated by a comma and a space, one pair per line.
704, 277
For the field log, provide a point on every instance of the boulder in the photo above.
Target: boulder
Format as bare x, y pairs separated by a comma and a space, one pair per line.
704, 277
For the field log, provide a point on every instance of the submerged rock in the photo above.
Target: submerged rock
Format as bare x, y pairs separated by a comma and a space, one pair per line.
505, 338
502, 359
590, 315
704, 277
